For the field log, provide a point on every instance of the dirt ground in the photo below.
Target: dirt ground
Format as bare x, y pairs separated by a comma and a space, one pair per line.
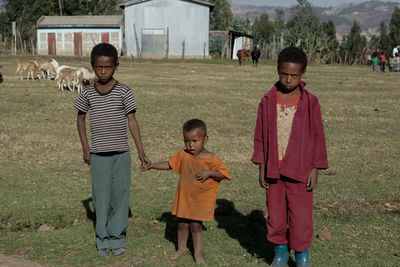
17, 261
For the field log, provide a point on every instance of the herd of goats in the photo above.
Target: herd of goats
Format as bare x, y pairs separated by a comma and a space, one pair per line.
75, 78
66, 76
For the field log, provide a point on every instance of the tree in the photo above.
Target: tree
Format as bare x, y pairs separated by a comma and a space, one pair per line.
354, 45
384, 41
240, 25
394, 27
263, 28
304, 29
221, 16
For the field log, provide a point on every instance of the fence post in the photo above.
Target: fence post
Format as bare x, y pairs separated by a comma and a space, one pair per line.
183, 49
167, 48
139, 55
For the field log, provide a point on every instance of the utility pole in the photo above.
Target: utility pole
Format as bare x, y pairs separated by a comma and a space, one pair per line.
60, 7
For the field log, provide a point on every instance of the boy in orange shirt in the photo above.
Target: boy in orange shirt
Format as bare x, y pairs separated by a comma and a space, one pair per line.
200, 174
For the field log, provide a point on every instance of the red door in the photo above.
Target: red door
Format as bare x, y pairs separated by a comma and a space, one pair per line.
77, 43
105, 37
51, 43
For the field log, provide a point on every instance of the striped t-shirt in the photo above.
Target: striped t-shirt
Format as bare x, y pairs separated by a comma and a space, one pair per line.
107, 116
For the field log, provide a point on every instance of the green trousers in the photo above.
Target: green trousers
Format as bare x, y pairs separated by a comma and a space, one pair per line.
111, 181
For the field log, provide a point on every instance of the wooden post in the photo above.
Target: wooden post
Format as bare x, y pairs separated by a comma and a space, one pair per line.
60, 6
223, 50
167, 48
139, 55
204, 50
183, 49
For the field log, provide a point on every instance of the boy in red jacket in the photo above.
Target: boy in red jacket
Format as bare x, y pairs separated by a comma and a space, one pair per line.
289, 147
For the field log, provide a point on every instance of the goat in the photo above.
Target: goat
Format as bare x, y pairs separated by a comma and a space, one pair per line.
28, 66
67, 77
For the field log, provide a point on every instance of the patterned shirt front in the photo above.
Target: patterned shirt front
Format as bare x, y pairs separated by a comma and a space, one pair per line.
286, 108
107, 116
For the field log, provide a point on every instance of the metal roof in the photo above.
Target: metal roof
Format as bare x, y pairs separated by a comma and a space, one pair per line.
80, 21
132, 2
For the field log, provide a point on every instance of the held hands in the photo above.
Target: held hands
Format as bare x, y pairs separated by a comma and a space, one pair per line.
312, 180
145, 162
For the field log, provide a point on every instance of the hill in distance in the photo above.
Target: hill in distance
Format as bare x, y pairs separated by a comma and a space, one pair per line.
367, 14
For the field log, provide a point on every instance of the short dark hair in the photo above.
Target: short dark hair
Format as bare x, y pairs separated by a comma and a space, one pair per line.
104, 49
294, 55
195, 124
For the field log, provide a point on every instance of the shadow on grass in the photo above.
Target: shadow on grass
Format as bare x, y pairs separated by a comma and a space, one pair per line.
249, 229
91, 214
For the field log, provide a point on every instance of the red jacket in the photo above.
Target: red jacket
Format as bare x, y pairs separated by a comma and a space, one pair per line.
306, 148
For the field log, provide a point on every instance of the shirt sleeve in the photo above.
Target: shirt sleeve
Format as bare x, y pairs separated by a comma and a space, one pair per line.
82, 103
175, 162
218, 165
258, 154
129, 101
320, 157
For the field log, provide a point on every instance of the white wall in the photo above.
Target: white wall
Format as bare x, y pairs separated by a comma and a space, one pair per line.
187, 21
65, 39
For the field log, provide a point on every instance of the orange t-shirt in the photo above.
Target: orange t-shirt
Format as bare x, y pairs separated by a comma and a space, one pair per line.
195, 200
285, 109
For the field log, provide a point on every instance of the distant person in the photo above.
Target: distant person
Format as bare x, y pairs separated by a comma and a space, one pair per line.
390, 64
255, 55
375, 63
383, 61
396, 64
200, 174
110, 105
395, 51
289, 148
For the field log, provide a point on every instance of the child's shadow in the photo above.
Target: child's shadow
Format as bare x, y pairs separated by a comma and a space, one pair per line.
171, 231
249, 229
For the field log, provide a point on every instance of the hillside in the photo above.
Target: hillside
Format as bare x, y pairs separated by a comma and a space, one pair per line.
368, 15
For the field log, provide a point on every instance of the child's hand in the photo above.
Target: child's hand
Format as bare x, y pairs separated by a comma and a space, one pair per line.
263, 182
145, 162
312, 180
86, 157
202, 175
144, 167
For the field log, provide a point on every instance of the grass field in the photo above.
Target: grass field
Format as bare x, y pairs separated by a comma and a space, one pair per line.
44, 182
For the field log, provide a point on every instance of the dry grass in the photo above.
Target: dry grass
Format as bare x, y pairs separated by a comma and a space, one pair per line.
44, 180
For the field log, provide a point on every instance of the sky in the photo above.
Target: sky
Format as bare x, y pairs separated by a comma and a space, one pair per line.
288, 3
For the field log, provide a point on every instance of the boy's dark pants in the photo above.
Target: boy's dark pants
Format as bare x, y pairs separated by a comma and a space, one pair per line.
111, 180
288, 200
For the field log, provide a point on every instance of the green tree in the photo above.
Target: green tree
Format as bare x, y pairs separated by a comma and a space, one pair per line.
303, 20
263, 28
374, 43
240, 25
221, 16
384, 41
394, 27
354, 45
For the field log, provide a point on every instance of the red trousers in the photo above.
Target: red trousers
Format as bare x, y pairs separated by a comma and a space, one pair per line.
288, 202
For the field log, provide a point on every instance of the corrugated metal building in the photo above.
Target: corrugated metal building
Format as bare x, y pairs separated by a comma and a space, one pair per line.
76, 35
167, 28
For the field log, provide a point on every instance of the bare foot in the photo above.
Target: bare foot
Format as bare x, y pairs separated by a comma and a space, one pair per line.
199, 260
178, 254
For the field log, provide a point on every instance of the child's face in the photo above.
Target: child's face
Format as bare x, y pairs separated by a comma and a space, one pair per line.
290, 75
194, 141
104, 67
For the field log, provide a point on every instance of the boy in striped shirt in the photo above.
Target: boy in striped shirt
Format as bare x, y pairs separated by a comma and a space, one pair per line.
109, 103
